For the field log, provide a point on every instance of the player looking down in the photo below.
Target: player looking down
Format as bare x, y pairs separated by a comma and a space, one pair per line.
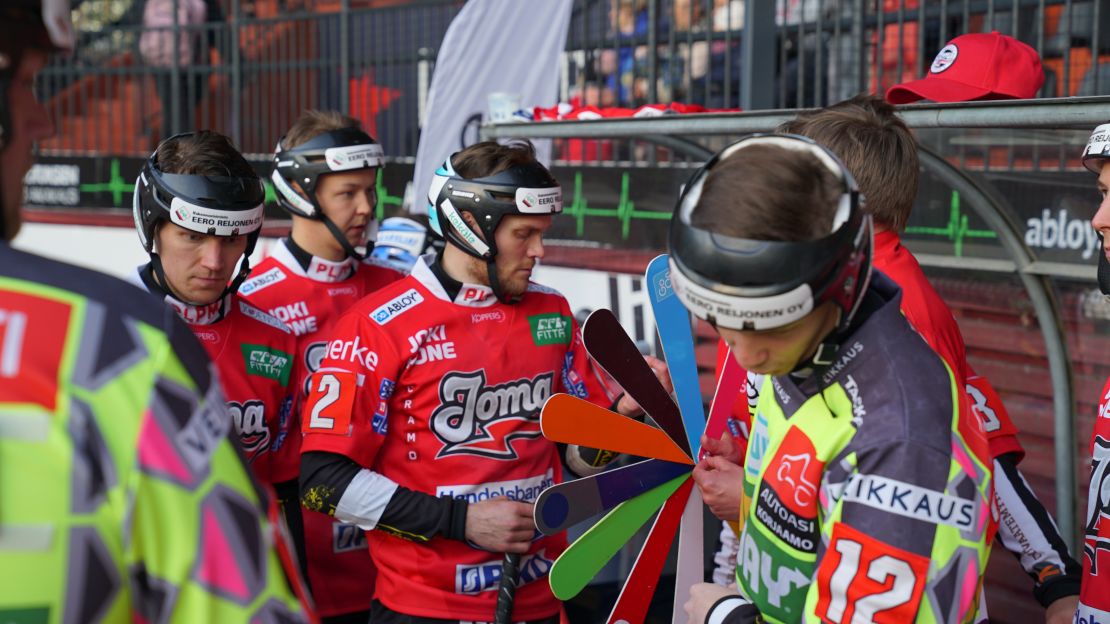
882, 154
198, 213
422, 426
863, 493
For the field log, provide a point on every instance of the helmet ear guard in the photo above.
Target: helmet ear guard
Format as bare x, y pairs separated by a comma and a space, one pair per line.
747, 284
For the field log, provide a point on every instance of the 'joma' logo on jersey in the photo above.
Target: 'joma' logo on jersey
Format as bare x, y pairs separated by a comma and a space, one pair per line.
468, 408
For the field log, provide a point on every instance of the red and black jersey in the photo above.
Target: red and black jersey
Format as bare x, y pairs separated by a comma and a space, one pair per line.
254, 354
441, 394
309, 294
1094, 598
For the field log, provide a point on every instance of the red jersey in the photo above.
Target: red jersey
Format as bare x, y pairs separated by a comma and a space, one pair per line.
254, 357
928, 314
442, 394
1094, 597
309, 293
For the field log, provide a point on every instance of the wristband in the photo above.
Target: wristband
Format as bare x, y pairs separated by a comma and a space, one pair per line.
724, 607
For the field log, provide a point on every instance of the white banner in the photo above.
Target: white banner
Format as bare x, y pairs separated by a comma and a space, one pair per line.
492, 46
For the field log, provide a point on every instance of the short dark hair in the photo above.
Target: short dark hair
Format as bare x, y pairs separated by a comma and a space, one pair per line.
489, 157
768, 192
313, 123
876, 146
203, 153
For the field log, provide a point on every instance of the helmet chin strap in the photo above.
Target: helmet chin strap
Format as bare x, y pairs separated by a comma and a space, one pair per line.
340, 238
1103, 273
495, 284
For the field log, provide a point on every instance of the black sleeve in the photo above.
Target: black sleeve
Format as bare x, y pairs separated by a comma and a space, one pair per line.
409, 514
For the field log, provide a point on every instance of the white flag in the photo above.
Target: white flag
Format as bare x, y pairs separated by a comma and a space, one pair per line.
491, 46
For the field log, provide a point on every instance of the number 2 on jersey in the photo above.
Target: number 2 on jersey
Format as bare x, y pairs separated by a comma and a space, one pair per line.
864, 580
329, 404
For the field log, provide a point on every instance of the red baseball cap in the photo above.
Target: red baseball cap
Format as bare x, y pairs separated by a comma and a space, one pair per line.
977, 66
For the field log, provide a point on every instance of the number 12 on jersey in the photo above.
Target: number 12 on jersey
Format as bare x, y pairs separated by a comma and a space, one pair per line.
330, 401
861, 579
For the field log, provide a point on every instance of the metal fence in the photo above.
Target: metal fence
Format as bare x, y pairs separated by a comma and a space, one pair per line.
255, 64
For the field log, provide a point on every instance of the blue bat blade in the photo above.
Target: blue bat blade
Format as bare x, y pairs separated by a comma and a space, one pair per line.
567, 504
677, 337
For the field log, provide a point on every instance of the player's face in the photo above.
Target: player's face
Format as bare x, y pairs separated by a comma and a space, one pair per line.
1101, 220
519, 246
779, 351
197, 266
29, 123
349, 199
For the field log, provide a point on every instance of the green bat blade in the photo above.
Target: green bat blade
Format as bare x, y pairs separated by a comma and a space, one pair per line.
583, 559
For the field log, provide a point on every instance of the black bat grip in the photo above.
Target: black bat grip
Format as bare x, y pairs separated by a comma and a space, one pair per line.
506, 590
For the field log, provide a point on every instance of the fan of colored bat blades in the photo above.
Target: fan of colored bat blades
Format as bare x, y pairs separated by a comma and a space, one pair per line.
631, 494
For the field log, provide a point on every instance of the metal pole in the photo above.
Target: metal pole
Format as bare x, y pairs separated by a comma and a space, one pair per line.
175, 75
653, 51
345, 56
757, 78
989, 206
861, 52
1075, 112
236, 74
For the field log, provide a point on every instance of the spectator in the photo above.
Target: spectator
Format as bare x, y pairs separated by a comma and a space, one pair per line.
193, 39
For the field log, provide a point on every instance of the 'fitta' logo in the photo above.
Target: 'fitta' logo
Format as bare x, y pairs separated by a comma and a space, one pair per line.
475, 419
550, 329
396, 306
267, 362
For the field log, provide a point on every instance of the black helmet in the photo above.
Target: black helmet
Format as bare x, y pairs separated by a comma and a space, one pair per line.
526, 189
214, 205
345, 149
747, 284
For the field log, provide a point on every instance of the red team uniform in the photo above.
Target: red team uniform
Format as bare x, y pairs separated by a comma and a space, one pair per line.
254, 357
308, 293
1094, 599
415, 386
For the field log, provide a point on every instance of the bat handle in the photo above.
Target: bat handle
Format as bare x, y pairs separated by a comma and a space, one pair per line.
506, 590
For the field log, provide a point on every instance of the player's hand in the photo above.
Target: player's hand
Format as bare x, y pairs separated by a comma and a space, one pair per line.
702, 598
725, 447
1062, 610
500, 525
721, 483
628, 406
